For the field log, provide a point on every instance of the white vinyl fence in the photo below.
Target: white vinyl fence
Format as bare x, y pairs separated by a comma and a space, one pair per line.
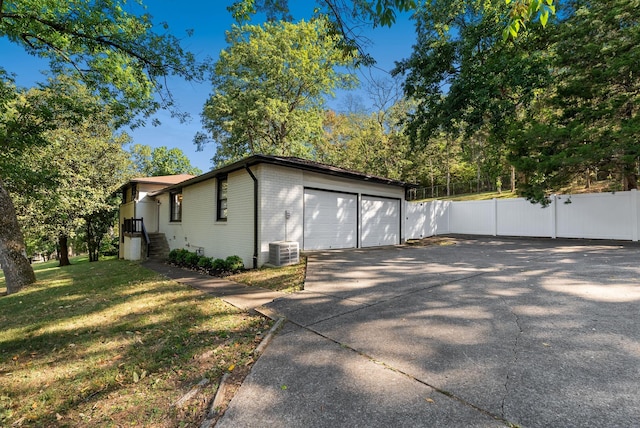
591, 216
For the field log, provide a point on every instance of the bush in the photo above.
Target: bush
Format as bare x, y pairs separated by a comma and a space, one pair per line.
219, 265
173, 256
234, 263
182, 256
191, 259
205, 263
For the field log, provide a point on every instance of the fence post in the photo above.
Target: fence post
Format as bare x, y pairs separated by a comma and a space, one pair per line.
554, 216
495, 217
634, 215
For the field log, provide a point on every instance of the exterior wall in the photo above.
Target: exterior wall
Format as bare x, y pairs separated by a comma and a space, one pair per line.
589, 216
281, 190
199, 229
145, 188
132, 248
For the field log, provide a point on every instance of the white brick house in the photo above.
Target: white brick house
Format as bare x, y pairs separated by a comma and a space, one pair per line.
241, 208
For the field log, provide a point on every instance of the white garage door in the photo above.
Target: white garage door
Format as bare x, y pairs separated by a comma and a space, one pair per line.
380, 221
330, 220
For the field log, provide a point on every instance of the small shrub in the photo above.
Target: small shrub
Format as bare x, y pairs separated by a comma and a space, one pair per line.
205, 263
219, 265
192, 259
181, 259
234, 263
173, 256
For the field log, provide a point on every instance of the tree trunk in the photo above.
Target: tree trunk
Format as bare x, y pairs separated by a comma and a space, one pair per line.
513, 179
630, 181
18, 272
63, 243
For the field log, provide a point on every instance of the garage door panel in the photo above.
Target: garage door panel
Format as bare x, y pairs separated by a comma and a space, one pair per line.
380, 221
330, 220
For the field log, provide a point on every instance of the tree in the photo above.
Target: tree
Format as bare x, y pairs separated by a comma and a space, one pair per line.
269, 89
114, 51
590, 118
470, 86
154, 162
346, 18
74, 175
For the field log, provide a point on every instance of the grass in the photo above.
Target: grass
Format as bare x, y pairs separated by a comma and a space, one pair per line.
114, 344
474, 197
288, 279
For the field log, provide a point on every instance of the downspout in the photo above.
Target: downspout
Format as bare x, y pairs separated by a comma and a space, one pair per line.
255, 216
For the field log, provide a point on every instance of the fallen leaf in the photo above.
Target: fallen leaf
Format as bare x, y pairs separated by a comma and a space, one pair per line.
283, 387
429, 400
58, 416
231, 367
136, 378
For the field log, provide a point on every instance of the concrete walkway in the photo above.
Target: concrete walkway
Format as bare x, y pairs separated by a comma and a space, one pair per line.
239, 295
487, 332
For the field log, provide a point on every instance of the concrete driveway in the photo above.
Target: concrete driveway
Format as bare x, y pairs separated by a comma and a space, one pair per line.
484, 332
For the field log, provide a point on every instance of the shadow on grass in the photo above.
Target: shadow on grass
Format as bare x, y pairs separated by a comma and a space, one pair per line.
113, 343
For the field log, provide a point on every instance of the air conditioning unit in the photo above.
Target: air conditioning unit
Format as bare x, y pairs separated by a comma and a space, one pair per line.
283, 253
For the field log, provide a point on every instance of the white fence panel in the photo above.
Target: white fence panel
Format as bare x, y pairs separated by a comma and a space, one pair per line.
473, 217
425, 219
439, 217
416, 216
597, 216
589, 216
519, 217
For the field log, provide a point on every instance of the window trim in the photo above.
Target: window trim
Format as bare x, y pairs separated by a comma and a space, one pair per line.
219, 199
173, 218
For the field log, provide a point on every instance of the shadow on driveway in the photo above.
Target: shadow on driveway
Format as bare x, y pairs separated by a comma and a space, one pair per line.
487, 332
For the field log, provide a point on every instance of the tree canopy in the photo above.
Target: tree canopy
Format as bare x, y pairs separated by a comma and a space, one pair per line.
72, 176
269, 89
347, 17
110, 45
156, 161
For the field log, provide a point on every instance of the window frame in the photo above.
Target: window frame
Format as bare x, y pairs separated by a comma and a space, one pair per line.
175, 216
222, 203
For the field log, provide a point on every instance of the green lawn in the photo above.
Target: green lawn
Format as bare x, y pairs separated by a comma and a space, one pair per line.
114, 344
287, 279
474, 197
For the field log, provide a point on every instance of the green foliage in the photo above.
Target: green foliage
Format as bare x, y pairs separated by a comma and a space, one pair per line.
270, 87
219, 265
186, 258
524, 11
192, 259
63, 181
112, 47
346, 18
588, 121
234, 263
205, 263
154, 162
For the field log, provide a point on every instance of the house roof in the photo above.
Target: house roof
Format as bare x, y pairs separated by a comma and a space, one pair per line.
290, 162
163, 179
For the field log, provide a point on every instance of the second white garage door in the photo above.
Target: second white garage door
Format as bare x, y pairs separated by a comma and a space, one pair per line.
380, 221
330, 220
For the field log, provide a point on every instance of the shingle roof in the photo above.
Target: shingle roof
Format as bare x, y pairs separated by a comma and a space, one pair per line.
291, 162
163, 179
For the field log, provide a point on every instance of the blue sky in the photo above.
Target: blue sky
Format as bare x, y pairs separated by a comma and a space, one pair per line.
209, 20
